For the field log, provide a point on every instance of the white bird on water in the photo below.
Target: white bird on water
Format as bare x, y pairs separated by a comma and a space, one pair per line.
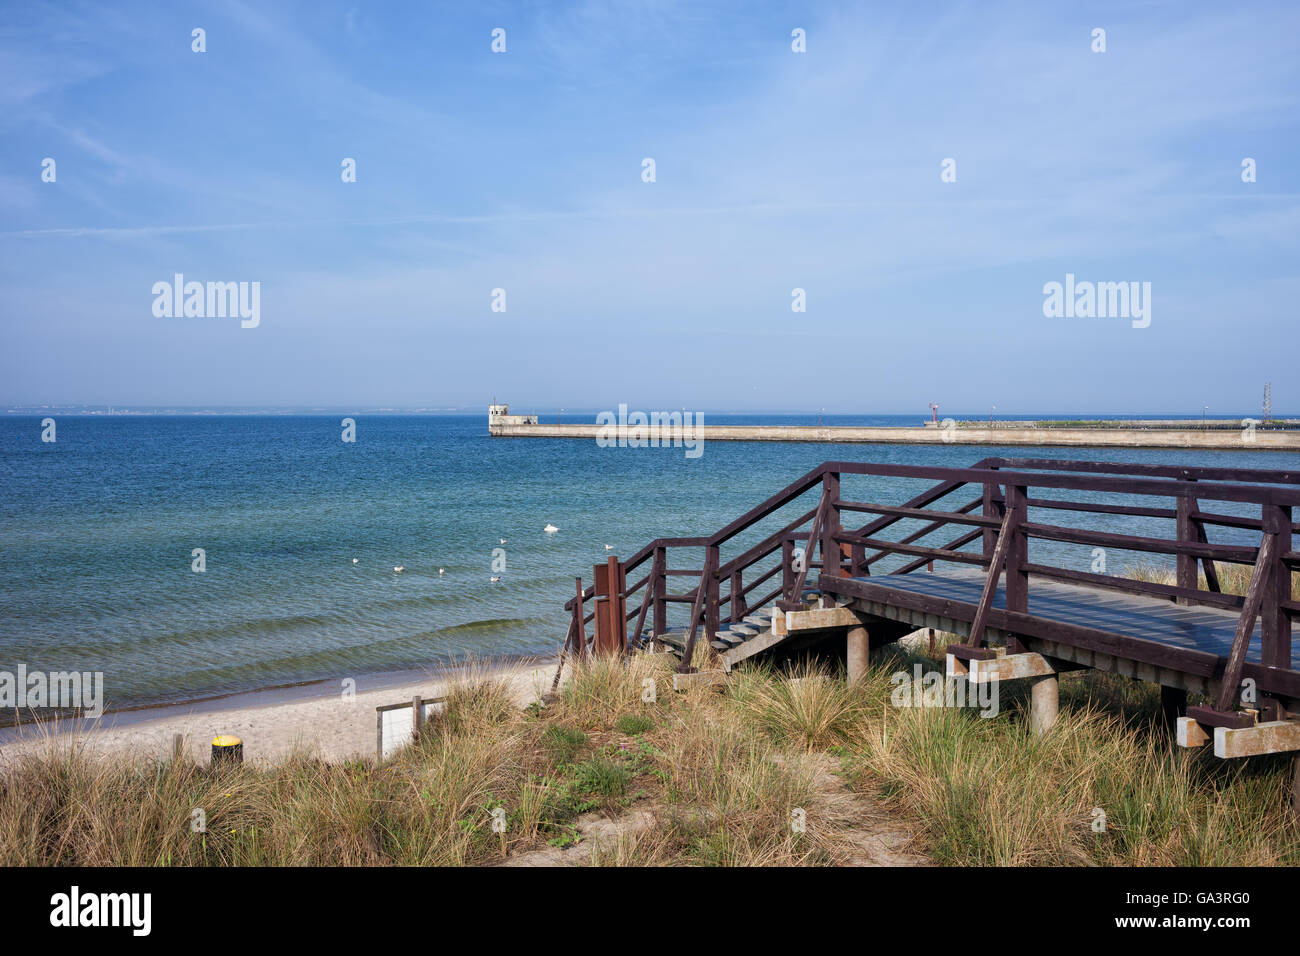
550, 529
494, 580
503, 540
609, 547
354, 560
399, 568
442, 570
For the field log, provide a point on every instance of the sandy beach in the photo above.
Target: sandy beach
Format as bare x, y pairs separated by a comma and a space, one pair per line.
272, 723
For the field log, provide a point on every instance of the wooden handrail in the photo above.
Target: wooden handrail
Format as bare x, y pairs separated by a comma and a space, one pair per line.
1005, 533
1231, 681
1004, 537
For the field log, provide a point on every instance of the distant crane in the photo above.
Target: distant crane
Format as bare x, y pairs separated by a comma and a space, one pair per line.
1268, 401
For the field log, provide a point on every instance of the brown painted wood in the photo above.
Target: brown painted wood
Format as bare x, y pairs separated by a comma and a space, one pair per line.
579, 633
1193, 661
1237, 554
795, 596
1246, 623
1080, 482
999, 559
1113, 582
1218, 718
939, 517
933, 526
1184, 472
953, 545
1275, 622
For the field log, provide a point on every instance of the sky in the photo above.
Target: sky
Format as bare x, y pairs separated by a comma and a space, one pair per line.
774, 170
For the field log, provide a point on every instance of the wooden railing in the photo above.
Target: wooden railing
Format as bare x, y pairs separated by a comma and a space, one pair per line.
998, 519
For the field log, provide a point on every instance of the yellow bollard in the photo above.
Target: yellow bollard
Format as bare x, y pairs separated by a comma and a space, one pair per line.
227, 749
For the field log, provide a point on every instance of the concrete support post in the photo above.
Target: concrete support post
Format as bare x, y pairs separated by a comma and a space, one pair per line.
858, 653
1044, 703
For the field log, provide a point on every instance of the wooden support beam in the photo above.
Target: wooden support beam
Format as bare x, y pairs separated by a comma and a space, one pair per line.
1010, 667
1276, 736
1189, 733
820, 619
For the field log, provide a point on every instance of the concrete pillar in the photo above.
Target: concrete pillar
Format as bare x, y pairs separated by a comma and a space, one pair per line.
1044, 703
858, 653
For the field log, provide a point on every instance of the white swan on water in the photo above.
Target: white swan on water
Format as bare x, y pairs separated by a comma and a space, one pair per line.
550, 529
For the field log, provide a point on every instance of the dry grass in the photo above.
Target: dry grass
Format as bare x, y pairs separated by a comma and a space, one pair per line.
718, 789
700, 778
1233, 578
987, 791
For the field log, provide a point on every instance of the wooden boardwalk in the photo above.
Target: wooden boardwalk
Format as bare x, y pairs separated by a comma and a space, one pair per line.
971, 566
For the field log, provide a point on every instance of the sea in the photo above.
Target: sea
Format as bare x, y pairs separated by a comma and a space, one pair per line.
186, 556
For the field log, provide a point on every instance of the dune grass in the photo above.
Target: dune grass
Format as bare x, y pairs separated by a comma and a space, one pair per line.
707, 777
1106, 786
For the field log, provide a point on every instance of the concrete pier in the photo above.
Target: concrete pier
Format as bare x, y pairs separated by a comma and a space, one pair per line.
859, 649
1003, 434
1044, 703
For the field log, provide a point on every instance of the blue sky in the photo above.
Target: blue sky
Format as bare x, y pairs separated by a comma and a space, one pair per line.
774, 170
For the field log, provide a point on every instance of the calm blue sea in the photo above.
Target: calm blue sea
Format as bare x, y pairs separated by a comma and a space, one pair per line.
98, 530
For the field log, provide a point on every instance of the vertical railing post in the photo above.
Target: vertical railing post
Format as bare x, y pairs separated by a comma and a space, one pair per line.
1185, 564
1275, 622
1017, 556
618, 605
992, 509
579, 628
738, 608
787, 569
830, 548
659, 588
712, 620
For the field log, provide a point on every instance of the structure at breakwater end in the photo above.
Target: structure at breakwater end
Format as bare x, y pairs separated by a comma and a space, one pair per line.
798, 574
1210, 436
